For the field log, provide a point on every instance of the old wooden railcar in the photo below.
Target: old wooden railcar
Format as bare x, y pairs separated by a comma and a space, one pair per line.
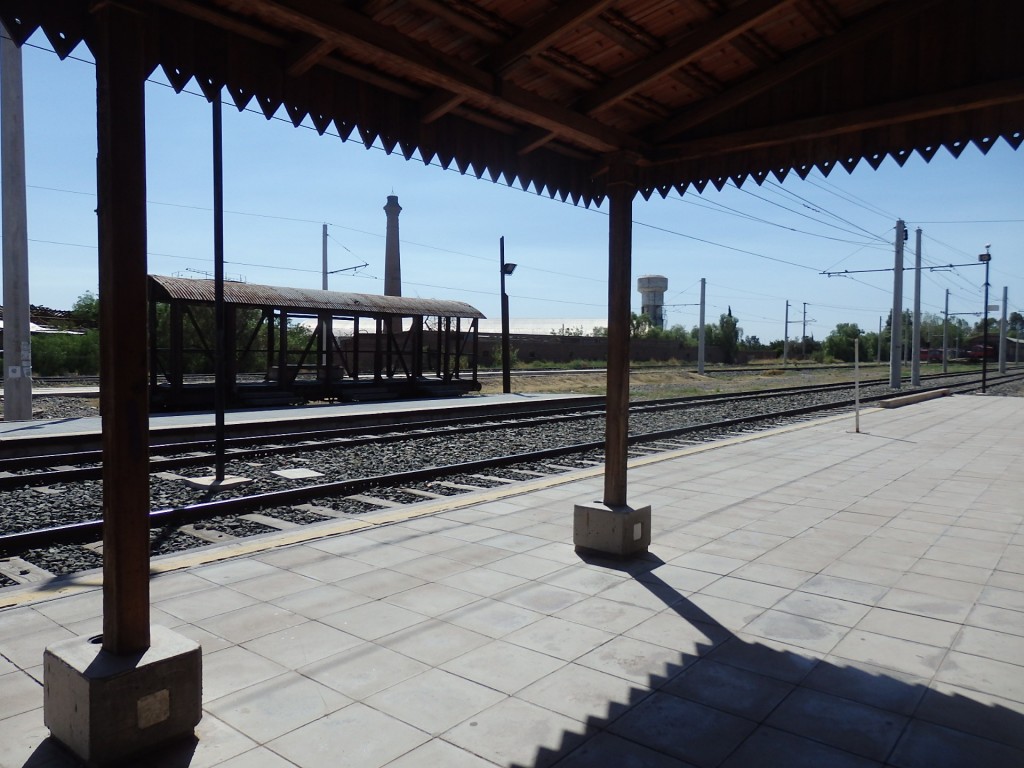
296, 345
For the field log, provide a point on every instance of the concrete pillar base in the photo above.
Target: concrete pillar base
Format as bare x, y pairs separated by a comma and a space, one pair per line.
106, 708
617, 531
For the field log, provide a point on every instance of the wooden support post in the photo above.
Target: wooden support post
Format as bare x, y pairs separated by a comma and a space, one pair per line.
621, 190
611, 527
124, 404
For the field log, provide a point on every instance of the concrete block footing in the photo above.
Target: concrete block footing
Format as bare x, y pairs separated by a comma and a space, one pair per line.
619, 531
107, 708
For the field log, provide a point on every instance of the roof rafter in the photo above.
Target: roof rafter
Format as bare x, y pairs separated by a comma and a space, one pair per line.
542, 34
714, 33
354, 32
866, 27
920, 108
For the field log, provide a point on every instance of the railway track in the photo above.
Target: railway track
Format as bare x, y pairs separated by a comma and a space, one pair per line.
505, 451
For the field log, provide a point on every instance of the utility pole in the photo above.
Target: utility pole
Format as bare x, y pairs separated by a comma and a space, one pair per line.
803, 335
328, 329
985, 258
1002, 335
785, 336
896, 324
878, 355
915, 363
700, 332
945, 335
17, 341
324, 282
506, 269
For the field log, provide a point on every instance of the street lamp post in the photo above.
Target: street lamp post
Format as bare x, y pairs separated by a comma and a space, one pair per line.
985, 258
506, 353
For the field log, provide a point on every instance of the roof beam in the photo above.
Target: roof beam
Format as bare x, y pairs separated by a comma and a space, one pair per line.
438, 104
304, 58
541, 35
933, 105
869, 26
705, 37
350, 31
459, 21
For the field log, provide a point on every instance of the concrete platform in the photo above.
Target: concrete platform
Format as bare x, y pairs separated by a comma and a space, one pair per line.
812, 597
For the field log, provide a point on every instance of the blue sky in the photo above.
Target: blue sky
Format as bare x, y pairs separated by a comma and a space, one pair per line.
757, 247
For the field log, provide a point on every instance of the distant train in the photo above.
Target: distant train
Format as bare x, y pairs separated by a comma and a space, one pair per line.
296, 345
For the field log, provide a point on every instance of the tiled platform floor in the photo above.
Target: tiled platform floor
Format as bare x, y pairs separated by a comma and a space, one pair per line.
812, 598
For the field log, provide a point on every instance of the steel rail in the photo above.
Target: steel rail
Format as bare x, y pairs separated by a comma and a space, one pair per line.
86, 531
362, 435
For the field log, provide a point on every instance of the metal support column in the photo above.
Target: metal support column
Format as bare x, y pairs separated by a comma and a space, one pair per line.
1002, 334
785, 336
945, 335
121, 191
896, 319
915, 363
701, 332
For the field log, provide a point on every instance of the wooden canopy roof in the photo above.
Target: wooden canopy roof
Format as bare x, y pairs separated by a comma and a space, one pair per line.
542, 93
307, 301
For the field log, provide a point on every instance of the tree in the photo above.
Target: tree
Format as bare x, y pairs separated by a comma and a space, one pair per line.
839, 344
1016, 324
729, 337
639, 325
86, 310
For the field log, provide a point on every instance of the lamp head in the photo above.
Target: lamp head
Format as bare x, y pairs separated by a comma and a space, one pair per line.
508, 268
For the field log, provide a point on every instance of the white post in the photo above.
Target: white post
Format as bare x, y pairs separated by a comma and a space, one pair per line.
1002, 335
700, 332
17, 341
896, 325
915, 364
856, 385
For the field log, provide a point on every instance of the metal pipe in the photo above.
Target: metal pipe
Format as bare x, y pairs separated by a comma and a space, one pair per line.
218, 288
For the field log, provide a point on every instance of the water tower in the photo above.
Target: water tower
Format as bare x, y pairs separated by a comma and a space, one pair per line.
652, 297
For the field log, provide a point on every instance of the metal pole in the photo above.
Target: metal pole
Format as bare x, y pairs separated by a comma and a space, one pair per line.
700, 331
785, 336
1002, 335
328, 330
17, 339
915, 363
945, 335
506, 352
856, 385
896, 322
878, 355
984, 343
218, 287
803, 335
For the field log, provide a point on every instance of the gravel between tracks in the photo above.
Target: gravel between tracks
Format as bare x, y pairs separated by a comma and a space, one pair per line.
61, 504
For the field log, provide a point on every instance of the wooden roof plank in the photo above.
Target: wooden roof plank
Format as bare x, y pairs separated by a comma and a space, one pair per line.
705, 37
542, 34
766, 79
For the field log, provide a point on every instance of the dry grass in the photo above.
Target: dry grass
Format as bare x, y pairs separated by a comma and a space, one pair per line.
677, 382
